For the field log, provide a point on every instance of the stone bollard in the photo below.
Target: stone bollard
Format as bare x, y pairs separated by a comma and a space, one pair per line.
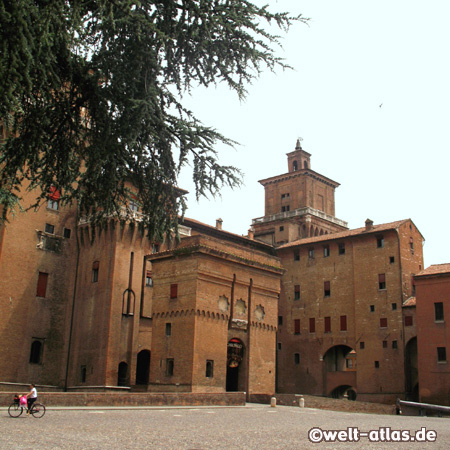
301, 402
273, 402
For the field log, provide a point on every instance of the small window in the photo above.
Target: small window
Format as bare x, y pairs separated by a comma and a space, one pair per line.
408, 321
385, 344
326, 289
134, 207
169, 367
42, 284
381, 281
49, 228
394, 344
341, 249
311, 253
361, 345
438, 312
327, 324
67, 232
53, 199
372, 308
95, 269
297, 292
326, 251
441, 354
377, 364
349, 363
343, 321
53, 204
37, 347
411, 245
173, 291
391, 259
155, 248
394, 306
281, 228
83, 374
209, 373
282, 196
279, 346
312, 325
296, 326
283, 209
280, 320
149, 279
296, 358
383, 322
380, 241
168, 329
296, 255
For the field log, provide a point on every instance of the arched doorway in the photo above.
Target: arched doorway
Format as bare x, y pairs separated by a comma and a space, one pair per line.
122, 374
339, 365
235, 353
411, 370
143, 367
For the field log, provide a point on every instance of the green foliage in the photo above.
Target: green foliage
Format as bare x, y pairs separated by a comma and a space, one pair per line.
91, 94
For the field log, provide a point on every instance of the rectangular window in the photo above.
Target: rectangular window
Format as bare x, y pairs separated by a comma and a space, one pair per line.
384, 344
296, 358
83, 374
67, 232
53, 204
49, 228
279, 346
155, 248
381, 281
149, 279
296, 326
438, 312
391, 259
441, 354
343, 323
361, 345
408, 321
372, 308
380, 241
169, 367
394, 306
296, 255
281, 228
326, 251
42, 284
326, 289
327, 324
311, 254
394, 344
209, 373
383, 322
168, 329
174, 291
37, 350
280, 320
377, 364
341, 249
312, 325
297, 292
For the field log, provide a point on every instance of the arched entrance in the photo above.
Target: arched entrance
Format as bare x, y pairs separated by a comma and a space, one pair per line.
235, 353
122, 374
411, 370
339, 365
143, 367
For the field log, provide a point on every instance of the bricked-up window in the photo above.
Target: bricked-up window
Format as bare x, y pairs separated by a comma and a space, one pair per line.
312, 325
441, 354
311, 253
341, 249
169, 367
49, 228
385, 344
209, 368
326, 251
95, 269
380, 241
149, 279
326, 289
361, 345
297, 292
297, 358
383, 322
327, 321
36, 352
381, 281
168, 329
296, 255
408, 321
42, 284
394, 344
438, 312
174, 291
343, 322
296, 326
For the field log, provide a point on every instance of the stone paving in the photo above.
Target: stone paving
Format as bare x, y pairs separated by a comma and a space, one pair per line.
258, 427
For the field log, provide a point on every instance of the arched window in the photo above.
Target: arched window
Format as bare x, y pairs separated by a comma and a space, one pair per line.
95, 268
209, 368
36, 352
122, 375
295, 166
305, 164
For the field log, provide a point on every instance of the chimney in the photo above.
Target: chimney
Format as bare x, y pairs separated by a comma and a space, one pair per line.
219, 224
369, 225
251, 234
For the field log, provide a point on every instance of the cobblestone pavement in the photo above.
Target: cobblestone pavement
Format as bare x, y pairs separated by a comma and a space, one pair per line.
257, 427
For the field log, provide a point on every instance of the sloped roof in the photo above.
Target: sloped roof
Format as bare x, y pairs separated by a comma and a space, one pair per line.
411, 301
435, 269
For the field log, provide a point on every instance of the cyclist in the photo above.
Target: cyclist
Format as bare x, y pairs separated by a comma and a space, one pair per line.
31, 397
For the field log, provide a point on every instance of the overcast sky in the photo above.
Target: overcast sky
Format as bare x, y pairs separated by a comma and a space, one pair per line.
369, 96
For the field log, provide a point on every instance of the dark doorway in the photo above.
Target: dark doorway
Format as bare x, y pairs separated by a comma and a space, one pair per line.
235, 352
411, 370
122, 375
143, 367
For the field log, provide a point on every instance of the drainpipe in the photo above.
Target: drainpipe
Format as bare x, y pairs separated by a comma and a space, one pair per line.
249, 327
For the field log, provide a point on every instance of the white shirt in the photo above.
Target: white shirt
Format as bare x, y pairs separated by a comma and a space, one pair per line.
33, 393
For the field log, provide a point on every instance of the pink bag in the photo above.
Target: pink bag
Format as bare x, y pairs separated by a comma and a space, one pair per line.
23, 400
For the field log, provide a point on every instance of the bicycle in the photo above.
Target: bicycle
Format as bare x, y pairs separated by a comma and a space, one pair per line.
37, 410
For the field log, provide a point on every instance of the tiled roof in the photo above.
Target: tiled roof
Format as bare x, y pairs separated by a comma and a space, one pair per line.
346, 234
410, 302
435, 269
